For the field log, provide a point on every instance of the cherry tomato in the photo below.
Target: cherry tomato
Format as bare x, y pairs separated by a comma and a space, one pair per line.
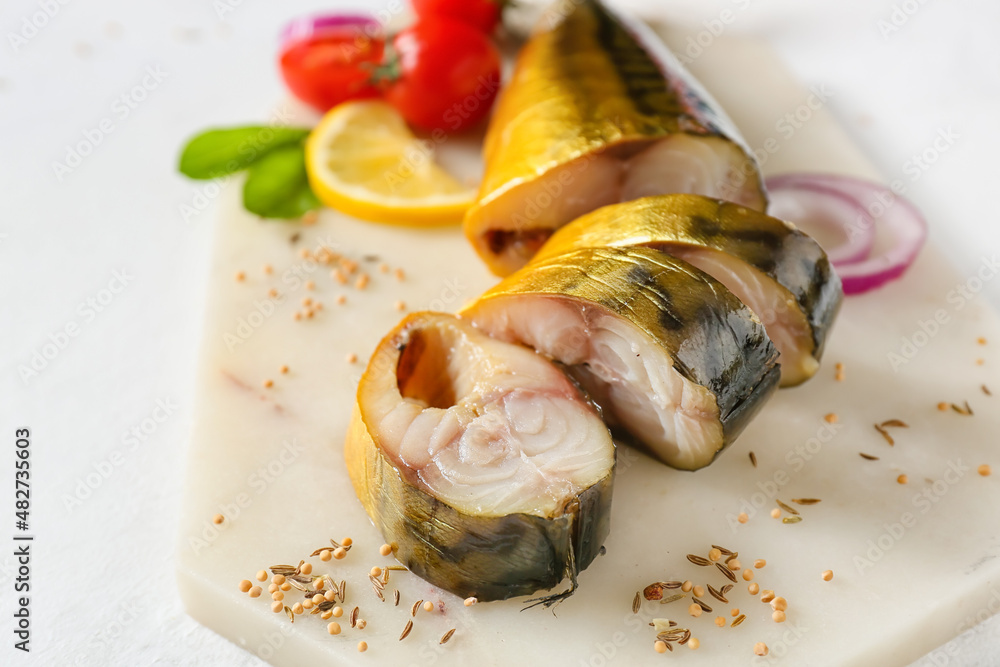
331, 66
444, 75
484, 15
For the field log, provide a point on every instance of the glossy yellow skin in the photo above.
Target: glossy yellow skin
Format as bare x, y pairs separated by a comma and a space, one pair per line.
490, 557
587, 85
795, 264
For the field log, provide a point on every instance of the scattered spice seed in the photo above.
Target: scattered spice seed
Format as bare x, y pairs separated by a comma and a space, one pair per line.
986, 390
734, 612
698, 560
787, 508
406, 630
830, 418
902, 479
720, 621
868, 456
695, 610
636, 602
400, 275
240, 276
362, 647
743, 518
245, 586
354, 617
753, 459
255, 592
759, 563
694, 644
447, 636
760, 648
980, 362
384, 550
984, 470
307, 603
469, 601
779, 603
284, 370
827, 575
700, 603
276, 606
306, 568
277, 596
341, 299
791, 519
306, 301
395, 597
726, 571
325, 555
337, 612
981, 340
717, 594
416, 605
778, 616
428, 606
725, 589
339, 552
942, 406
967, 411
660, 646
698, 591
333, 628
351, 357
297, 608
767, 596
754, 588
747, 574
838, 372
885, 434
687, 586
775, 513
217, 519
400, 306
725, 551
362, 281
734, 564
273, 293
272, 588
672, 598
278, 578
806, 501
738, 620
310, 285
326, 615
714, 555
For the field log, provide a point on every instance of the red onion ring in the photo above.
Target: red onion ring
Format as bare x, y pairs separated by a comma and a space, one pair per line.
822, 212
878, 206
307, 26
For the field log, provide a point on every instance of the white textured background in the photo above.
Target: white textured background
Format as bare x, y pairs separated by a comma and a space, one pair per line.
103, 584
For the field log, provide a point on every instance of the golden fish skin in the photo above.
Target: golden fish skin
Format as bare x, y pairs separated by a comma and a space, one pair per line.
669, 315
787, 261
492, 555
587, 94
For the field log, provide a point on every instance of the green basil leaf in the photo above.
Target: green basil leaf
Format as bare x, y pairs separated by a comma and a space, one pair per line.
219, 152
277, 186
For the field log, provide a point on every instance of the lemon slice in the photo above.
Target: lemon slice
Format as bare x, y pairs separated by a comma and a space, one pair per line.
363, 160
